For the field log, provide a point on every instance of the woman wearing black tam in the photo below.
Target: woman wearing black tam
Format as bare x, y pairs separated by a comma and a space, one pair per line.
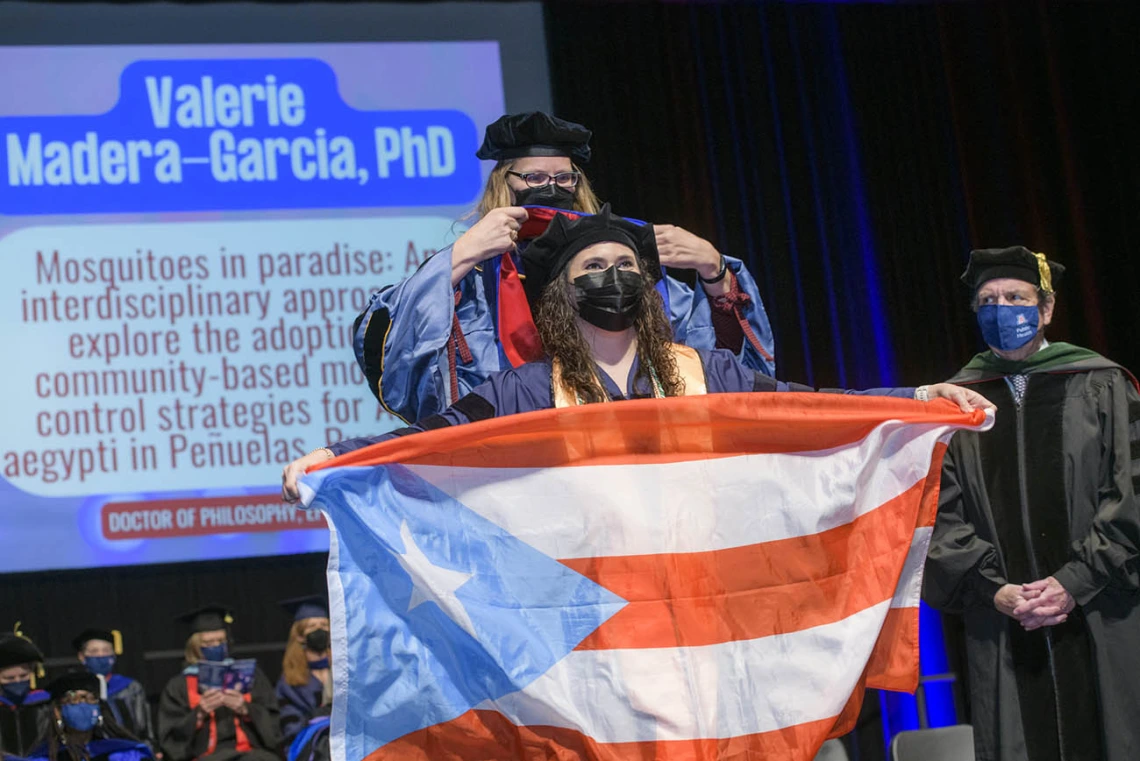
606, 336
428, 340
82, 727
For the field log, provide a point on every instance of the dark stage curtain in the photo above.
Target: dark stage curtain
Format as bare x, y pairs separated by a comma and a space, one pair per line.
853, 154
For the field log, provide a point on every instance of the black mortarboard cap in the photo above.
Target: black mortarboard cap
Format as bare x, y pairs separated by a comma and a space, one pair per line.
310, 606
534, 134
76, 679
105, 635
15, 650
207, 618
547, 255
1016, 262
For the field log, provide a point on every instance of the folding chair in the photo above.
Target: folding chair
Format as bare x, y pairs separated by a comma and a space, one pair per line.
832, 750
943, 744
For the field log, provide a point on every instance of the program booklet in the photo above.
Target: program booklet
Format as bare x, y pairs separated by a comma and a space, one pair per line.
231, 675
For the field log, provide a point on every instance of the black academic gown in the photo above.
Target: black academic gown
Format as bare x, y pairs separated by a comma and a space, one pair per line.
1049, 491
23, 724
218, 738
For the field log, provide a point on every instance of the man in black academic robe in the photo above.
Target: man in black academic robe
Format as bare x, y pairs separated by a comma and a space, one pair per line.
1038, 532
25, 712
191, 727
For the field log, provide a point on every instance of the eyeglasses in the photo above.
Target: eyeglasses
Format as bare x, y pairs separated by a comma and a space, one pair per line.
539, 179
74, 698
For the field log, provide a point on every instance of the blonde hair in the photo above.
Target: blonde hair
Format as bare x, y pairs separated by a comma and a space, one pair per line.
497, 192
193, 651
295, 666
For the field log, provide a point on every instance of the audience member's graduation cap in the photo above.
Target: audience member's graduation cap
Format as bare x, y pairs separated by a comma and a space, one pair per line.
16, 650
1016, 262
70, 681
548, 254
535, 134
208, 618
103, 635
310, 606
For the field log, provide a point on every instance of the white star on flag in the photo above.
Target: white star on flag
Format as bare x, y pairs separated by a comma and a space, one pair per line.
431, 583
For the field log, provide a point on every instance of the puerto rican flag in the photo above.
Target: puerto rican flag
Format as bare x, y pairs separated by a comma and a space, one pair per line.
689, 579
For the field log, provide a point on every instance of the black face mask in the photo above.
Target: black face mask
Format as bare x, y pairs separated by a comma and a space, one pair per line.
548, 195
317, 641
610, 299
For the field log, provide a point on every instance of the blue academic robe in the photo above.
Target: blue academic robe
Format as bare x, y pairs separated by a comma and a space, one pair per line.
298, 705
105, 750
312, 742
413, 320
528, 388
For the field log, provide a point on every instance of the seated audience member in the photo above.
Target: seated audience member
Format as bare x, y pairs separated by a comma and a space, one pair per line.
606, 337
197, 722
24, 711
82, 729
97, 650
306, 680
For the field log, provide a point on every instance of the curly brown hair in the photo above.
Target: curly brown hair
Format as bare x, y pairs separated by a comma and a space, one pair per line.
558, 329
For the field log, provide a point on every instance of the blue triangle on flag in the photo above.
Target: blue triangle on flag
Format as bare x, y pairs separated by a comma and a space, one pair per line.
412, 659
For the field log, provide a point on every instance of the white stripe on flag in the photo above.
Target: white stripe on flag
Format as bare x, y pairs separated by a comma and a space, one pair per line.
909, 590
605, 510
715, 691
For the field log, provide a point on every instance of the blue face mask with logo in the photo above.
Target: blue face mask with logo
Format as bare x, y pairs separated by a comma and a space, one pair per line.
82, 717
99, 664
1007, 327
15, 691
215, 652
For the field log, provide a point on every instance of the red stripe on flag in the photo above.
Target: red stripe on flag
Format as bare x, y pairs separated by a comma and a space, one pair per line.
659, 430
893, 664
928, 511
481, 735
778, 587
894, 661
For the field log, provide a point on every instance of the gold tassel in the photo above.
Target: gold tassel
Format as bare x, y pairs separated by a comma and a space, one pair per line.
1044, 272
117, 641
228, 619
39, 665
